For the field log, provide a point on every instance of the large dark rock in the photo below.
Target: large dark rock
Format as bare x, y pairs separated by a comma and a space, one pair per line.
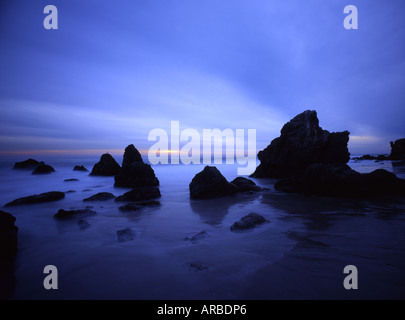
101, 196
80, 168
8, 236
68, 214
248, 222
210, 183
43, 197
244, 184
43, 168
135, 173
397, 149
341, 180
302, 142
107, 166
29, 164
139, 194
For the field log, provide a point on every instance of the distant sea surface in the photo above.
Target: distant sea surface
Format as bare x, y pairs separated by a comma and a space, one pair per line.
299, 254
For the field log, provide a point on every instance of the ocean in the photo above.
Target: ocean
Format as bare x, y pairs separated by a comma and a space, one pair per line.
299, 254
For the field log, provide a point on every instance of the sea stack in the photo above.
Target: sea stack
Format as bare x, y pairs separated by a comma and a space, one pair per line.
302, 142
107, 166
135, 173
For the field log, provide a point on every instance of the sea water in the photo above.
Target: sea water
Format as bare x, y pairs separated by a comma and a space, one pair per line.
299, 254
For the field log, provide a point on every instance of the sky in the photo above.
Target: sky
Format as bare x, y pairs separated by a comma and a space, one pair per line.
115, 70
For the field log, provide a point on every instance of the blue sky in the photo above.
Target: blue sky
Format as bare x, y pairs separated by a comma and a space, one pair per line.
115, 70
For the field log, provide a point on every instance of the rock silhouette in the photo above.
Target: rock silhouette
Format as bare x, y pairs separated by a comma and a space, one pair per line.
43, 168
248, 222
135, 173
210, 183
8, 236
243, 184
101, 196
80, 168
29, 164
139, 194
302, 142
67, 214
107, 166
397, 150
40, 198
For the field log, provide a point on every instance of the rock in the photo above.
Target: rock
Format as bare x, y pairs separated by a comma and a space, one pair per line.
107, 166
139, 194
210, 183
43, 197
8, 236
135, 173
129, 207
302, 142
43, 169
101, 196
80, 168
245, 185
71, 180
197, 237
397, 149
68, 214
248, 222
125, 235
29, 164
341, 180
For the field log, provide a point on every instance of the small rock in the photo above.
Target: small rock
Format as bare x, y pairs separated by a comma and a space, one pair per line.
101, 196
43, 169
125, 235
197, 237
248, 222
67, 214
245, 185
71, 180
43, 197
80, 168
139, 194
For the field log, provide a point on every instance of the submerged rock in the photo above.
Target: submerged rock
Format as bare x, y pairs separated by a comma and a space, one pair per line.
302, 142
101, 196
71, 180
341, 180
125, 235
248, 222
210, 183
83, 224
130, 207
135, 173
43, 168
107, 166
43, 197
139, 194
67, 214
197, 237
29, 164
80, 168
8, 236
